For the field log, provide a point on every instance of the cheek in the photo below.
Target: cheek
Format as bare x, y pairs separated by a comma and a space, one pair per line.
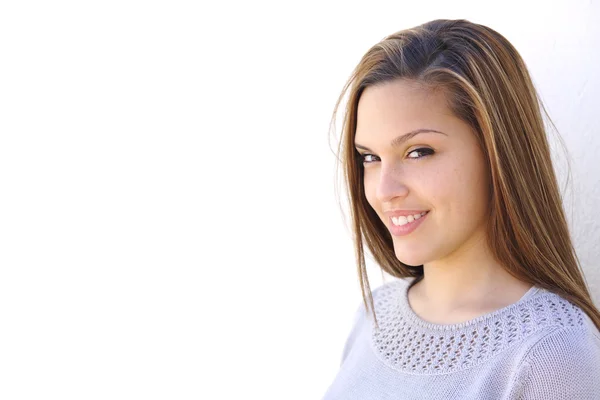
464, 187
476, 180
370, 189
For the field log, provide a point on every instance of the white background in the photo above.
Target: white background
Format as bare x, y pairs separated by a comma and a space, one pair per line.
168, 222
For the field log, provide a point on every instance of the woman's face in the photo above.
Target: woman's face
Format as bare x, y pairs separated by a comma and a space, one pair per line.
442, 173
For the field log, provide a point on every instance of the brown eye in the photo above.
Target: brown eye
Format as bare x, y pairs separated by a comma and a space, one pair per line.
424, 152
365, 158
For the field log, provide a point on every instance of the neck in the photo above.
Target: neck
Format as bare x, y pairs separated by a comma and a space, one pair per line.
471, 281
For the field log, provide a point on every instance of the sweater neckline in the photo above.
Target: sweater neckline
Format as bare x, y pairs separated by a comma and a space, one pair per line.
415, 319
405, 342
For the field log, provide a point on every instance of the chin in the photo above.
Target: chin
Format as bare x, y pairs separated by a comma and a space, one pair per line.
413, 260
411, 256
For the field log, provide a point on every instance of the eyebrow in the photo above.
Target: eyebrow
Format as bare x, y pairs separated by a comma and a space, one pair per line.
403, 138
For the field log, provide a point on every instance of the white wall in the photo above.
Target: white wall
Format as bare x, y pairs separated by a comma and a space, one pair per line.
168, 224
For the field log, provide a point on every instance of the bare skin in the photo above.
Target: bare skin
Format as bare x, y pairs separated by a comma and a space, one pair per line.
462, 279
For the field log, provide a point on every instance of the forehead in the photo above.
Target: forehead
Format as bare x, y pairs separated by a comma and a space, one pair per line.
400, 106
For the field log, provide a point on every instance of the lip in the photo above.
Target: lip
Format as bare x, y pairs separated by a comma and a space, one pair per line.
397, 213
405, 229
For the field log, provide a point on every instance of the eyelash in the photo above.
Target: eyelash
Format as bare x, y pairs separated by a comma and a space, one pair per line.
425, 150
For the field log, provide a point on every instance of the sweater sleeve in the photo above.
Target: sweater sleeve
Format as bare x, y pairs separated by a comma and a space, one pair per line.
565, 364
359, 320
351, 338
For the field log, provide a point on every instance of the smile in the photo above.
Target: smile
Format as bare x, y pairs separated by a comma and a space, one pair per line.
403, 225
403, 220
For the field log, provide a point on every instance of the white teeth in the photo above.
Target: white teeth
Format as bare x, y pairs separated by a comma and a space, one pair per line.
403, 220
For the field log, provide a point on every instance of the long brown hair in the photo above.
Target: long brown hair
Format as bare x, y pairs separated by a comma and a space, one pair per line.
488, 86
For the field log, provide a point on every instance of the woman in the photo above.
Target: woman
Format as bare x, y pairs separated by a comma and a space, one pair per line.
452, 189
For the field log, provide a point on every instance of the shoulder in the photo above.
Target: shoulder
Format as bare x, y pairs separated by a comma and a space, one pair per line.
564, 363
383, 296
391, 289
570, 343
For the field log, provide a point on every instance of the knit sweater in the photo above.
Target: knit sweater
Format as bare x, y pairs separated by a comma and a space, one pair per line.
541, 347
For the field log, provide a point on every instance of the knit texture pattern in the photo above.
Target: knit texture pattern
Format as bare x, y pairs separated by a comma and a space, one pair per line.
541, 347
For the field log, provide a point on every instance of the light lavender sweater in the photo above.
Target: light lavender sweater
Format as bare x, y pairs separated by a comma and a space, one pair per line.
541, 347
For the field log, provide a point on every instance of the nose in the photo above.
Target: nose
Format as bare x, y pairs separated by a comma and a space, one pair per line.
391, 184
